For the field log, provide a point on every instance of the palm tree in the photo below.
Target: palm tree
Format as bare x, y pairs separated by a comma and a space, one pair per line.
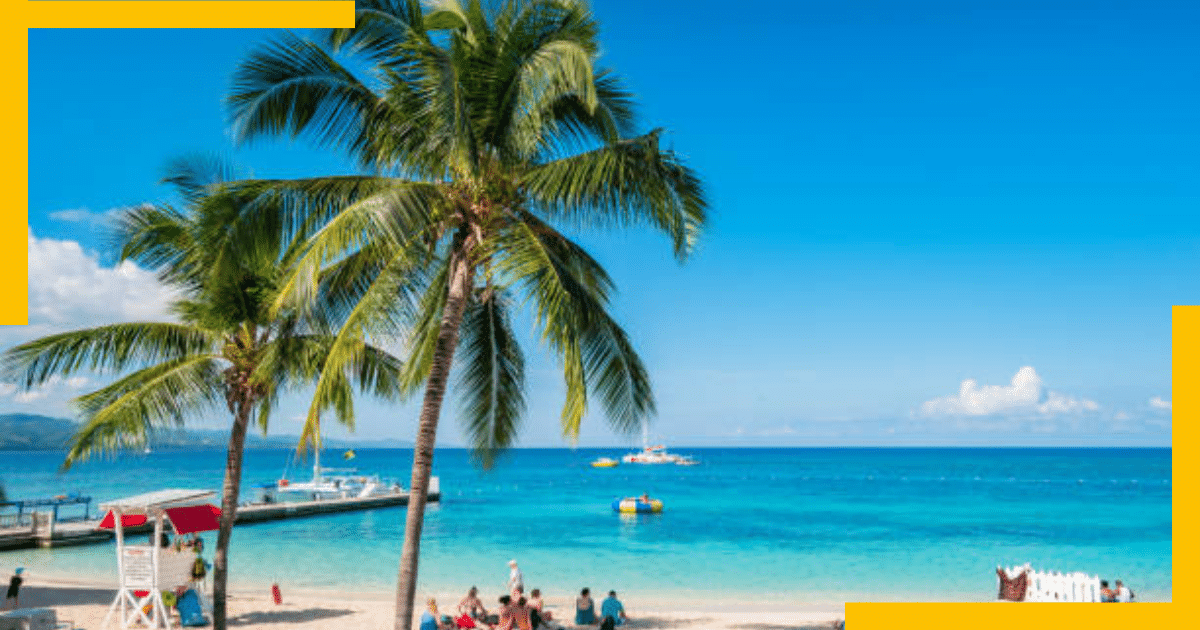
225, 254
483, 127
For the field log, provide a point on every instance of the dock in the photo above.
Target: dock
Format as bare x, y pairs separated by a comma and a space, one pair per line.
45, 532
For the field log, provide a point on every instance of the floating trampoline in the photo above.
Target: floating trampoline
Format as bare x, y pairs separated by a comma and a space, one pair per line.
634, 505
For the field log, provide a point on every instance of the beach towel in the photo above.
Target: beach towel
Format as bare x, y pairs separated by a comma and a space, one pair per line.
190, 614
1012, 589
465, 621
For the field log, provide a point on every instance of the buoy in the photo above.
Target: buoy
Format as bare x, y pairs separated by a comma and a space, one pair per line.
276, 594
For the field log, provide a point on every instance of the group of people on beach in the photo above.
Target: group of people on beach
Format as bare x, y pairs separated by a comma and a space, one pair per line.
521, 613
1119, 594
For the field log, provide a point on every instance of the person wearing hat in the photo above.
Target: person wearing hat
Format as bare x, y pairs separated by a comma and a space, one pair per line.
515, 579
14, 589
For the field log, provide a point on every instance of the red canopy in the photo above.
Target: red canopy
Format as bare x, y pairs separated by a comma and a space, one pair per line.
127, 520
194, 518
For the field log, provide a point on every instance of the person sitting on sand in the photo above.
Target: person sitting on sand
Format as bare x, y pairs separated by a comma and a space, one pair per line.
585, 609
521, 614
537, 609
1123, 593
1107, 594
506, 613
471, 606
429, 620
612, 607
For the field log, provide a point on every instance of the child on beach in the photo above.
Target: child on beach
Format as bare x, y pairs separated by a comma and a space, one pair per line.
14, 589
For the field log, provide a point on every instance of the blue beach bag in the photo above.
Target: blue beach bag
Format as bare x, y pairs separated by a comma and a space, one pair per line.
190, 614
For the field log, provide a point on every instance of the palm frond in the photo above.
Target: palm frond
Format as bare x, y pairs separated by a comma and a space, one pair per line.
630, 182
111, 348
399, 216
127, 412
373, 315
492, 376
291, 86
570, 291
422, 340
380, 28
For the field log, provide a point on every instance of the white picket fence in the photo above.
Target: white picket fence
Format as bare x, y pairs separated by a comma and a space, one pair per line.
1052, 586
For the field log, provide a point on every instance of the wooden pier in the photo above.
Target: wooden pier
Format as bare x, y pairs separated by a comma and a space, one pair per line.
44, 532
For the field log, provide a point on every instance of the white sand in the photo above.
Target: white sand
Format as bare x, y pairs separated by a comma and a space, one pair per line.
86, 605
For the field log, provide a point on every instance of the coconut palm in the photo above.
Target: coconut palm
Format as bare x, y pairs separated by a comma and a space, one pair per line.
486, 129
225, 254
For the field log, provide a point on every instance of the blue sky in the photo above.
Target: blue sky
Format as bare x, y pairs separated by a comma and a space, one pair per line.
905, 196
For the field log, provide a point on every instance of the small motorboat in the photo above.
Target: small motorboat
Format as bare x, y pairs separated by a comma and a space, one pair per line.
604, 462
637, 505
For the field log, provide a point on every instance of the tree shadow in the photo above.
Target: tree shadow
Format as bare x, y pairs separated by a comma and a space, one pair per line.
287, 616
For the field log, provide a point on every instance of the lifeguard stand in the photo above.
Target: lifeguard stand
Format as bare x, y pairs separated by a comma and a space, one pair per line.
138, 565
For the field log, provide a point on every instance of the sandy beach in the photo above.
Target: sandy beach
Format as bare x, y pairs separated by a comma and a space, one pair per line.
86, 605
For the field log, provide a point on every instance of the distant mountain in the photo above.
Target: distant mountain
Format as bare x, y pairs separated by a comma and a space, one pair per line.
29, 432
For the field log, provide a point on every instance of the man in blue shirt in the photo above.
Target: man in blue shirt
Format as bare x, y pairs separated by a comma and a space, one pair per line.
612, 607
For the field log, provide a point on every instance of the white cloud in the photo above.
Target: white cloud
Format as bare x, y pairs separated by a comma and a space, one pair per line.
1024, 395
83, 215
1158, 403
53, 389
69, 288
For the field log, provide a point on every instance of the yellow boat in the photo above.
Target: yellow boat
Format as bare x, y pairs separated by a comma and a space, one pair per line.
604, 462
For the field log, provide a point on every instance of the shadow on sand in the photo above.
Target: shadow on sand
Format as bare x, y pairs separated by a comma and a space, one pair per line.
781, 627
52, 596
287, 616
663, 623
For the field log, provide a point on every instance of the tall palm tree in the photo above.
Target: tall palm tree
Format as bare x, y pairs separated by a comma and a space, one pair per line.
225, 254
483, 126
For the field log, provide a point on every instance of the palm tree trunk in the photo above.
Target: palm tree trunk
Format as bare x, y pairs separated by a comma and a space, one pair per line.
229, 501
461, 277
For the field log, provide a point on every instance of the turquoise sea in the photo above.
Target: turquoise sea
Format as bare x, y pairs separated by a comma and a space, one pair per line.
795, 526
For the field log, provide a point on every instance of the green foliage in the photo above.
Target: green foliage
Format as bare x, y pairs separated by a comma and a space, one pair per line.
227, 253
490, 124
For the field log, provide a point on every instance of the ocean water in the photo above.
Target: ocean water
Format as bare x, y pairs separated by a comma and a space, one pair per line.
760, 526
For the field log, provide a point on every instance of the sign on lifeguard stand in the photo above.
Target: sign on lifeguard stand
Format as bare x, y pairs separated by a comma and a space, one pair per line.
139, 595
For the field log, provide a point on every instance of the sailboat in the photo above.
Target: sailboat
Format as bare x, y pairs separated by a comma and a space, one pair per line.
341, 483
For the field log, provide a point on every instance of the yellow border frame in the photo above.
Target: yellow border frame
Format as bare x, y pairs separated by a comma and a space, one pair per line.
291, 14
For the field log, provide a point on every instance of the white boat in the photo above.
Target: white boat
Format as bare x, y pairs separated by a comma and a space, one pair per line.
657, 455
339, 483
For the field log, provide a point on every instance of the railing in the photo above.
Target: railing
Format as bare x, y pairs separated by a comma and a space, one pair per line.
1053, 586
51, 505
15, 520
